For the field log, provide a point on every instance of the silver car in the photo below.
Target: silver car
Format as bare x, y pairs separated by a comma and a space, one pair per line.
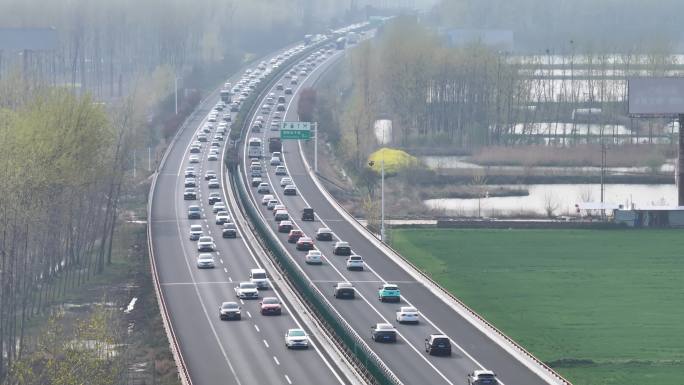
205, 261
206, 243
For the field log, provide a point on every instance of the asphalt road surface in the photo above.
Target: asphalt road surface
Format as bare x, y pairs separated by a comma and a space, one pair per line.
406, 358
249, 351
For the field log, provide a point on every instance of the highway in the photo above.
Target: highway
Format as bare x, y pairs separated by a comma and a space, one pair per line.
248, 351
407, 359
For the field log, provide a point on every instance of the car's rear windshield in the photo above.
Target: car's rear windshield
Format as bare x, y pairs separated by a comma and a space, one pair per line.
230, 305
391, 288
271, 301
441, 341
297, 333
259, 275
486, 376
247, 285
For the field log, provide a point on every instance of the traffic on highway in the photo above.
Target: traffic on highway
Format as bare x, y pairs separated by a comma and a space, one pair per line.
231, 319
424, 341
210, 267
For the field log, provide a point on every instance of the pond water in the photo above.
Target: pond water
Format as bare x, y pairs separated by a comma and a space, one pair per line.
562, 197
461, 162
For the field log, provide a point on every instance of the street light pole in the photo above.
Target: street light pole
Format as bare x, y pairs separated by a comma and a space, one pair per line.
382, 199
316, 147
175, 88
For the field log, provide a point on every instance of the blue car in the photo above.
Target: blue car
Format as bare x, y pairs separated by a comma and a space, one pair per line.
389, 293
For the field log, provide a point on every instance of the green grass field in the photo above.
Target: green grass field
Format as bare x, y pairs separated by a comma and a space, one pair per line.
602, 307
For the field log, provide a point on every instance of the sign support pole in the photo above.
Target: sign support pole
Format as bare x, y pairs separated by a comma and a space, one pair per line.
316, 147
680, 163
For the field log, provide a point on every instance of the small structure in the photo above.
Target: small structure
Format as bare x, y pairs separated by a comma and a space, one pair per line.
651, 216
501, 39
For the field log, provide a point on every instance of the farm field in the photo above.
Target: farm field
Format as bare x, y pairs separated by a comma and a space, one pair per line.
601, 307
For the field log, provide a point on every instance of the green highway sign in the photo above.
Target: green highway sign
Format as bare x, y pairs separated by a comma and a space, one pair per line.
295, 130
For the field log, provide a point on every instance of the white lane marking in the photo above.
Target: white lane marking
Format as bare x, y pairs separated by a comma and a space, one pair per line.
221, 260
256, 327
225, 269
197, 292
242, 302
275, 192
266, 343
288, 379
249, 314
357, 281
256, 261
193, 283
276, 360
230, 279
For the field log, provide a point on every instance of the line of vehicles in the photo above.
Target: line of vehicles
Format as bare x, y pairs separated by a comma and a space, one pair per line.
435, 344
217, 124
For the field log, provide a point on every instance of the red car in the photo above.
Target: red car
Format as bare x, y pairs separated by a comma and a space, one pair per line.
271, 306
294, 236
305, 244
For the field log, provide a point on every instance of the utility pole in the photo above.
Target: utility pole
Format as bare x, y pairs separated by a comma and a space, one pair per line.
382, 191
603, 175
382, 199
149, 158
316, 147
133, 163
175, 88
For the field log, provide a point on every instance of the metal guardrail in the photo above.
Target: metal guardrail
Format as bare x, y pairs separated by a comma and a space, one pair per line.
312, 296
371, 236
354, 343
174, 345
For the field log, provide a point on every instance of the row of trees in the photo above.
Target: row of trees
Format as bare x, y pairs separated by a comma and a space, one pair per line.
88, 351
63, 166
103, 46
614, 26
470, 96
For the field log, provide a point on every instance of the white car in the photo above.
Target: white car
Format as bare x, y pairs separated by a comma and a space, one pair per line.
285, 181
275, 161
222, 217
281, 215
218, 206
205, 261
290, 189
214, 184
212, 157
259, 278
271, 204
355, 262
313, 257
263, 188
281, 170
194, 159
246, 290
482, 377
266, 198
407, 314
296, 338
195, 232
206, 243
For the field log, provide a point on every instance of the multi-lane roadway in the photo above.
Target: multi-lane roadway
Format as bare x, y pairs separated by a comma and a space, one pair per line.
406, 358
251, 350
